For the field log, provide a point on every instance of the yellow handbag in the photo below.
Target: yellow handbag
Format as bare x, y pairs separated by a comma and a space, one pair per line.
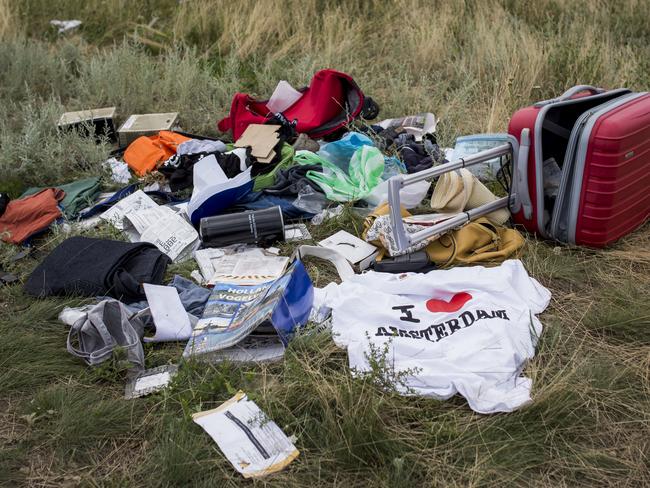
477, 241
480, 240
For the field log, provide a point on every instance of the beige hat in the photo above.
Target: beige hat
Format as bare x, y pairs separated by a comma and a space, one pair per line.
461, 190
452, 192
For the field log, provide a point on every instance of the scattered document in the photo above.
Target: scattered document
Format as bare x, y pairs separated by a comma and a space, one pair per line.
150, 381
249, 267
296, 232
135, 202
253, 443
234, 313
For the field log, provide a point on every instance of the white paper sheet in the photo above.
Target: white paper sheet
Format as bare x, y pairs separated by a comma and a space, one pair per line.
169, 316
136, 201
152, 381
205, 258
65, 25
253, 444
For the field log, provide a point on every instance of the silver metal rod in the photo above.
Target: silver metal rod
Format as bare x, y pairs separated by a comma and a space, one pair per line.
477, 158
460, 219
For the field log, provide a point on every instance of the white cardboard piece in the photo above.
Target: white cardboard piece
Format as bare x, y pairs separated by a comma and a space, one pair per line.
352, 248
169, 316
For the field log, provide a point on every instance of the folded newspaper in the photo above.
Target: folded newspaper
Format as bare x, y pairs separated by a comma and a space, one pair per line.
252, 442
252, 323
164, 228
143, 220
247, 267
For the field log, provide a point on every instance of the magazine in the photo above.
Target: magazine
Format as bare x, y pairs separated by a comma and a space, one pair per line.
233, 312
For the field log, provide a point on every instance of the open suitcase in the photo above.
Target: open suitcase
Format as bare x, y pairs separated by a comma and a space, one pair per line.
600, 141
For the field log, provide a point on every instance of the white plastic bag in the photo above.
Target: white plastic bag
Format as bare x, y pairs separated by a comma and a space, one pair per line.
410, 196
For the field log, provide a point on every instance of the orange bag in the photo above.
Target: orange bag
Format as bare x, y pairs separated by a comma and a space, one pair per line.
147, 152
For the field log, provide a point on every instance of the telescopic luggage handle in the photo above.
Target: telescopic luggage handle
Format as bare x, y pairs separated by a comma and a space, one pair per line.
580, 88
403, 239
570, 93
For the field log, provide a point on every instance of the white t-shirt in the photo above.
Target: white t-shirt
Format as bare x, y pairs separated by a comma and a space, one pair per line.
465, 330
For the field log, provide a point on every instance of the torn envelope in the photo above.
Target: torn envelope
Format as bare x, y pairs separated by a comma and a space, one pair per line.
253, 443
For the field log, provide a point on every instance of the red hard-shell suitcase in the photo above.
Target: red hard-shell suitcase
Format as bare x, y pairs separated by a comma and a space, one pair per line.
601, 142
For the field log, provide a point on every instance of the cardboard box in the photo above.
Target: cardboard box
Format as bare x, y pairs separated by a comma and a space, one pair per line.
100, 118
145, 125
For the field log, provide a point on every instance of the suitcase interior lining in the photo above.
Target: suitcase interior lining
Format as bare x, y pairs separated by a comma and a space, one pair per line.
559, 122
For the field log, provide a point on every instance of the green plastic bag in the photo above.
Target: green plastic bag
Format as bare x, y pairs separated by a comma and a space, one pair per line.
266, 180
366, 169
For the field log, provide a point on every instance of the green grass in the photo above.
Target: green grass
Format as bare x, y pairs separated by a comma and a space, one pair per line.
472, 63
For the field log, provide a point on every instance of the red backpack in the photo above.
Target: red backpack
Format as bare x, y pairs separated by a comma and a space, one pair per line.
331, 100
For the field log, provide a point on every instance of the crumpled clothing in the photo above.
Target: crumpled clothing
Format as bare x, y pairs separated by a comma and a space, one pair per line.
198, 146
103, 327
382, 232
89, 267
418, 156
30, 215
293, 179
267, 178
260, 201
119, 170
305, 143
78, 195
179, 169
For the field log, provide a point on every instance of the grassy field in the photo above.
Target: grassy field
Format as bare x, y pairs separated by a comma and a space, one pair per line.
471, 63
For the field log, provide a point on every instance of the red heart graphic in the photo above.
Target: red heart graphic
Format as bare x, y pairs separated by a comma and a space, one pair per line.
456, 303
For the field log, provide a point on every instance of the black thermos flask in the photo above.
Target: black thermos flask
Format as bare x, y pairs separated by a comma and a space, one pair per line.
250, 227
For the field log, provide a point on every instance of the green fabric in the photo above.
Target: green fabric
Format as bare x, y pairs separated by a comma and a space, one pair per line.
366, 169
266, 180
78, 195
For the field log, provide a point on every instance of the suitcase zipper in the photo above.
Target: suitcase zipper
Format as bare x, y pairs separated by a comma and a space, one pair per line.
567, 166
